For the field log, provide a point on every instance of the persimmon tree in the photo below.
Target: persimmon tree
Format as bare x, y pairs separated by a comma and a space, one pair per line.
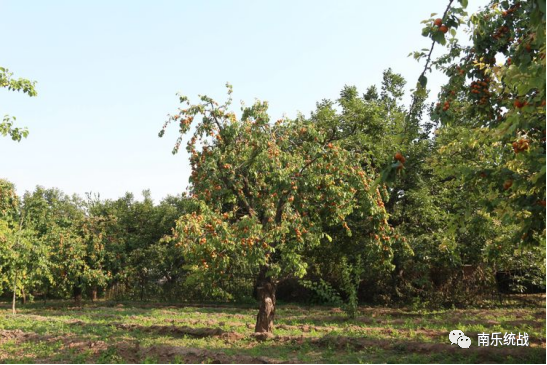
265, 192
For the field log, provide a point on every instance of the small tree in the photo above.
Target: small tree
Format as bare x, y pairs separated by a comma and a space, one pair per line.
74, 240
23, 258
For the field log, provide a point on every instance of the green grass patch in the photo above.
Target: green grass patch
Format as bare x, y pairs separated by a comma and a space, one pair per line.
105, 332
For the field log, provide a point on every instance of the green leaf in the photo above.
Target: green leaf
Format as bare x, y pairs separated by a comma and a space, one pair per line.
422, 80
439, 37
540, 174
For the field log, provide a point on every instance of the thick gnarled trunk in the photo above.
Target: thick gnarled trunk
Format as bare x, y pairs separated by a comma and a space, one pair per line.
266, 313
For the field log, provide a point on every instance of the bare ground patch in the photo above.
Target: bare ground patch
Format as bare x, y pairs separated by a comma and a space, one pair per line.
167, 354
16, 335
184, 331
69, 344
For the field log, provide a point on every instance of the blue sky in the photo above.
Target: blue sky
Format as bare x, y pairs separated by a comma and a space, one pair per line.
108, 72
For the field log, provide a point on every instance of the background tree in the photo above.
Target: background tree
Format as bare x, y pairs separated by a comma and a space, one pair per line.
135, 259
482, 142
58, 222
494, 105
23, 260
373, 127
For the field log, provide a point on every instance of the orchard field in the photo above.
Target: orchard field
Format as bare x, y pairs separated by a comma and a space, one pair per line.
365, 231
128, 332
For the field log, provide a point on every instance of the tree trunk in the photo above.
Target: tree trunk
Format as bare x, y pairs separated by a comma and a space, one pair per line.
94, 293
266, 313
14, 293
78, 295
46, 294
23, 296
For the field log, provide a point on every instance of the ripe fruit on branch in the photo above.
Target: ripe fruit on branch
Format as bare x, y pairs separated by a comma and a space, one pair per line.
507, 184
399, 157
519, 104
521, 145
443, 28
438, 22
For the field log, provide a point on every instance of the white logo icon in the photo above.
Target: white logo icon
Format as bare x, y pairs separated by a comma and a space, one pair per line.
464, 342
459, 338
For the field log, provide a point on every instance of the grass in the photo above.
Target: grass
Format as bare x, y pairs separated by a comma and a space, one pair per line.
106, 332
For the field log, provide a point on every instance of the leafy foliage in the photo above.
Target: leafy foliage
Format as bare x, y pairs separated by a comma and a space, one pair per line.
492, 115
24, 85
267, 192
